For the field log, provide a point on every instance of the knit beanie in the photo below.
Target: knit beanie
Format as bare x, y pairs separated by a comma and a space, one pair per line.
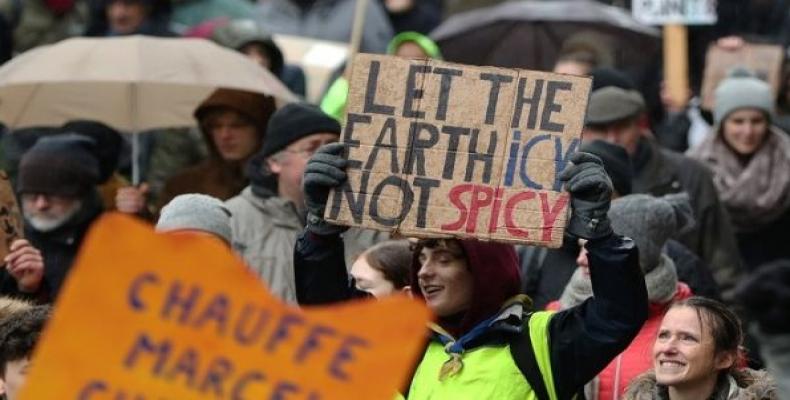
616, 162
295, 121
650, 222
254, 106
109, 144
64, 165
741, 89
196, 212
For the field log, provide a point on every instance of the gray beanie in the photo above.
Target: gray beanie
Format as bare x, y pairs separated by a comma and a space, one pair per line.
196, 212
741, 89
650, 222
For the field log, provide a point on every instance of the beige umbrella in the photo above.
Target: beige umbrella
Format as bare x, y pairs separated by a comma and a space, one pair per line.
132, 83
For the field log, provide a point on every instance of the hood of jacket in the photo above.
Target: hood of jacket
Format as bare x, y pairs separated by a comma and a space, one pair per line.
746, 384
424, 42
494, 268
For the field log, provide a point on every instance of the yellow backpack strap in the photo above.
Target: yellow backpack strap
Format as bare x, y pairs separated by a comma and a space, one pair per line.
530, 351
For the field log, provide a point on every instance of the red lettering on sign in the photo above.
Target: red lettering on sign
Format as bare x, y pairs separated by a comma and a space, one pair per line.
484, 198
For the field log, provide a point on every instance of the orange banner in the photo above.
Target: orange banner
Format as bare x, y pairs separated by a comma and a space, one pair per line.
147, 316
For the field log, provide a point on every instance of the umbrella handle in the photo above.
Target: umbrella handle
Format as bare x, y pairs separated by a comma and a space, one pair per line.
135, 159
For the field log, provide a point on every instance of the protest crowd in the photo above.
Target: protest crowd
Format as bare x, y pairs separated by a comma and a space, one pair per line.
663, 265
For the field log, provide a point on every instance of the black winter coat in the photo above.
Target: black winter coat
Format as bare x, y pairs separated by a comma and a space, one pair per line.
615, 314
59, 249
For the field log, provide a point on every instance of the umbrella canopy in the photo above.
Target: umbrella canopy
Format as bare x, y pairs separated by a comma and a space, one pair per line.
132, 83
529, 34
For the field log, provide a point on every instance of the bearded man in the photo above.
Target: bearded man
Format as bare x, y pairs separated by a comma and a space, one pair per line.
57, 188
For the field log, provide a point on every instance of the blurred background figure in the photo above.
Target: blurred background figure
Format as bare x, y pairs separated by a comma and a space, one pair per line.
328, 20
248, 37
130, 17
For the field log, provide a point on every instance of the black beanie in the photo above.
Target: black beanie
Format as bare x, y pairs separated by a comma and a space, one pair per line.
293, 122
616, 162
109, 144
63, 165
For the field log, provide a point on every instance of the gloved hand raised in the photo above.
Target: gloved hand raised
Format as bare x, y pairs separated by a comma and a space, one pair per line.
591, 194
324, 171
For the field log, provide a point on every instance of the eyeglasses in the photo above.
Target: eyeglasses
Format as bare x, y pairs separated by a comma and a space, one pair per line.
309, 149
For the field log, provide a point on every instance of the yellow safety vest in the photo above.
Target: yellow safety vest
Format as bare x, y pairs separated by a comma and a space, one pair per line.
488, 372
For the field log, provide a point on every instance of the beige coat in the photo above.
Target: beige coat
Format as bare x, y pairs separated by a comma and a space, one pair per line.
264, 234
265, 230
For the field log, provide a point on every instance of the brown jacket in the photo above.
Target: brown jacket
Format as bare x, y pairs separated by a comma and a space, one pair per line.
212, 177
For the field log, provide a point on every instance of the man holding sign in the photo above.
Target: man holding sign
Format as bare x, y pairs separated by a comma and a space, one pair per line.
487, 343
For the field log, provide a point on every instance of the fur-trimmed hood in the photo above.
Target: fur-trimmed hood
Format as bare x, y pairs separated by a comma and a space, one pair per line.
747, 384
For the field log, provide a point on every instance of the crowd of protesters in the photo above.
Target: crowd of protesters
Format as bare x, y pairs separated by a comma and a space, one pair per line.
672, 281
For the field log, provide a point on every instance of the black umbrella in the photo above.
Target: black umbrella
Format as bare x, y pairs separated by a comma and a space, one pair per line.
529, 34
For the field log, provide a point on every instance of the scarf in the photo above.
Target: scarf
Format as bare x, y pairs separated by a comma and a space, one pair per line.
755, 194
455, 348
661, 284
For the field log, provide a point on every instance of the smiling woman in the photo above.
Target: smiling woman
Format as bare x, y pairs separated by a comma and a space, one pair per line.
750, 160
697, 355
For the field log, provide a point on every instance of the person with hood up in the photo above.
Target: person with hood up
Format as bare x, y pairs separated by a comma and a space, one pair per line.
233, 123
57, 190
486, 343
750, 160
616, 114
697, 355
404, 44
650, 221
248, 37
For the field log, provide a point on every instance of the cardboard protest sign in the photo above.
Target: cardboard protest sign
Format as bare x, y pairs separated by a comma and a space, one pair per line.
763, 59
682, 12
438, 149
11, 226
147, 316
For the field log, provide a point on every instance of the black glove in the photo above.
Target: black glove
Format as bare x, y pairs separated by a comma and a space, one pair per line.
591, 195
324, 171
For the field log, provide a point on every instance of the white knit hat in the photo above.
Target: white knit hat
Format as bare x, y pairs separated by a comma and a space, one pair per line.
196, 212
